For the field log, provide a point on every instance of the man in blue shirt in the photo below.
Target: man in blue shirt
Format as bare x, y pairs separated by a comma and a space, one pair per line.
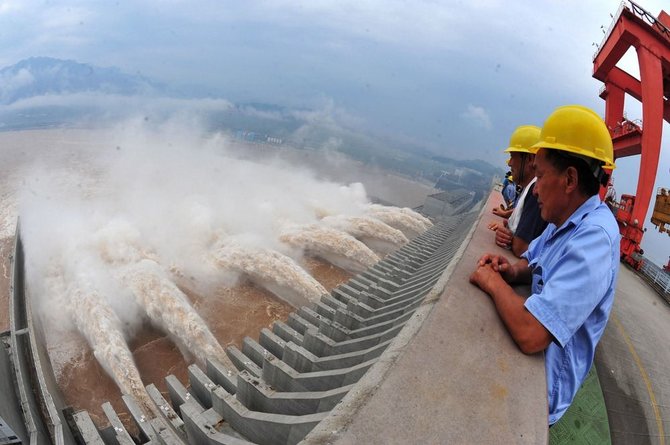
509, 190
572, 266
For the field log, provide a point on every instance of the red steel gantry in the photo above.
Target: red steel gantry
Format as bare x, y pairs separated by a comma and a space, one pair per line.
650, 36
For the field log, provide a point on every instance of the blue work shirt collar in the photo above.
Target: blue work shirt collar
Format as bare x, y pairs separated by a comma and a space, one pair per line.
587, 207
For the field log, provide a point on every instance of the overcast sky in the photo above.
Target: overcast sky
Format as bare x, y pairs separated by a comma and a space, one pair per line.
455, 76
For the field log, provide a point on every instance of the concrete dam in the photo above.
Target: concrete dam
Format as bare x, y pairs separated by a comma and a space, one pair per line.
159, 287
346, 323
277, 389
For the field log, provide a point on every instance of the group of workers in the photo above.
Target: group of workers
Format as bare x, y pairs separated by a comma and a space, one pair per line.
567, 242
522, 222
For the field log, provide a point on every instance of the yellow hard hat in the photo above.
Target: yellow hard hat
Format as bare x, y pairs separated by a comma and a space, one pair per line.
523, 138
579, 130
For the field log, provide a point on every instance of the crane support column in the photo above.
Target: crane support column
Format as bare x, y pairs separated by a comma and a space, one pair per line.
651, 78
650, 36
614, 101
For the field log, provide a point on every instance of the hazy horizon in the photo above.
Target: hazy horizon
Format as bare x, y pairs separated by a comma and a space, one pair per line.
454, 78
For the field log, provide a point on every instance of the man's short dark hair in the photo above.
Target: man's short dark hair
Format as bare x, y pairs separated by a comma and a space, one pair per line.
589, 185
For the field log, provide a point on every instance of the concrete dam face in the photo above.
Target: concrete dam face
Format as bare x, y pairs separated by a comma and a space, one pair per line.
220, 315
272, 390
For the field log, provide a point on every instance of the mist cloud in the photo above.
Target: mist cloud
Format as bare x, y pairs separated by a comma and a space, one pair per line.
118, 103
13, 82
119, 225
169, 192
478, 116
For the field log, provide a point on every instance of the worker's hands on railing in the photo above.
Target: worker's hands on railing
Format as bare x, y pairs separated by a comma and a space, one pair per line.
504, 237
502, 212
486, 278
495, 260
498, 211
498, 264
491, 273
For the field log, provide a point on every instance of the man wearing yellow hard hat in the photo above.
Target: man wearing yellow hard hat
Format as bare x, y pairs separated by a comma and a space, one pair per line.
572, 266
524, 223
509, 190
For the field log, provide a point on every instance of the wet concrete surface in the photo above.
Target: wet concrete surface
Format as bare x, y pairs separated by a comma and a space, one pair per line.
452, 375
633, 362
6, 248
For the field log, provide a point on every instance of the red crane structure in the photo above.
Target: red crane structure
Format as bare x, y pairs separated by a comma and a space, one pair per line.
650, 36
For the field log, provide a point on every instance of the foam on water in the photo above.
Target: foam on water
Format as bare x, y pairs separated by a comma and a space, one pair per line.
102, 328
404, 210
119, 245
395, 217
270, 269
364, 227
169, 309
334, 246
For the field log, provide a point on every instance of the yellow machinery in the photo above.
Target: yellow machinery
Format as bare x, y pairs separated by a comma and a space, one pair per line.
661, 215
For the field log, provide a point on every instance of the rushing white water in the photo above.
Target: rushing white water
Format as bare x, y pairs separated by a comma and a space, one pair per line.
409, 226
269, 269
169, 309
404, 210
406, 222
175, 187
417, 215
334, 246
102, 328
365, 227
164, 303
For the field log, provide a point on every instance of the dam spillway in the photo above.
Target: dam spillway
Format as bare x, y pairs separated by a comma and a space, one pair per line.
283, 384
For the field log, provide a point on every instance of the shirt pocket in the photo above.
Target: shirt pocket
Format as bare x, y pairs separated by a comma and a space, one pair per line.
538, 282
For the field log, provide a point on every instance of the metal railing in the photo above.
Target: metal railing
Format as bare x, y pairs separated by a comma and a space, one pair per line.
626, 127
647, 17
657, 277
640, 12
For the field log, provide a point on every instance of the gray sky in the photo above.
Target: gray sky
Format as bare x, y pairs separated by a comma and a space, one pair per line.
455, 76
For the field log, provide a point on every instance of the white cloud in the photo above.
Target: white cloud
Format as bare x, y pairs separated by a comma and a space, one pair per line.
392, 21
113, 102
478, 116
424, 22
7, 6
328, 113
60, 17
11, 82
22, 78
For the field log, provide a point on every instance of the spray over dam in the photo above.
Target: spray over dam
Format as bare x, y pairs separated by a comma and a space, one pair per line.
276, 389
279, 282
312, 353
334, 246
271, 270
107, 281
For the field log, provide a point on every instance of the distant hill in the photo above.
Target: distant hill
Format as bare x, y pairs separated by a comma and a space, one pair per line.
474, 164
55, 80
38, 76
